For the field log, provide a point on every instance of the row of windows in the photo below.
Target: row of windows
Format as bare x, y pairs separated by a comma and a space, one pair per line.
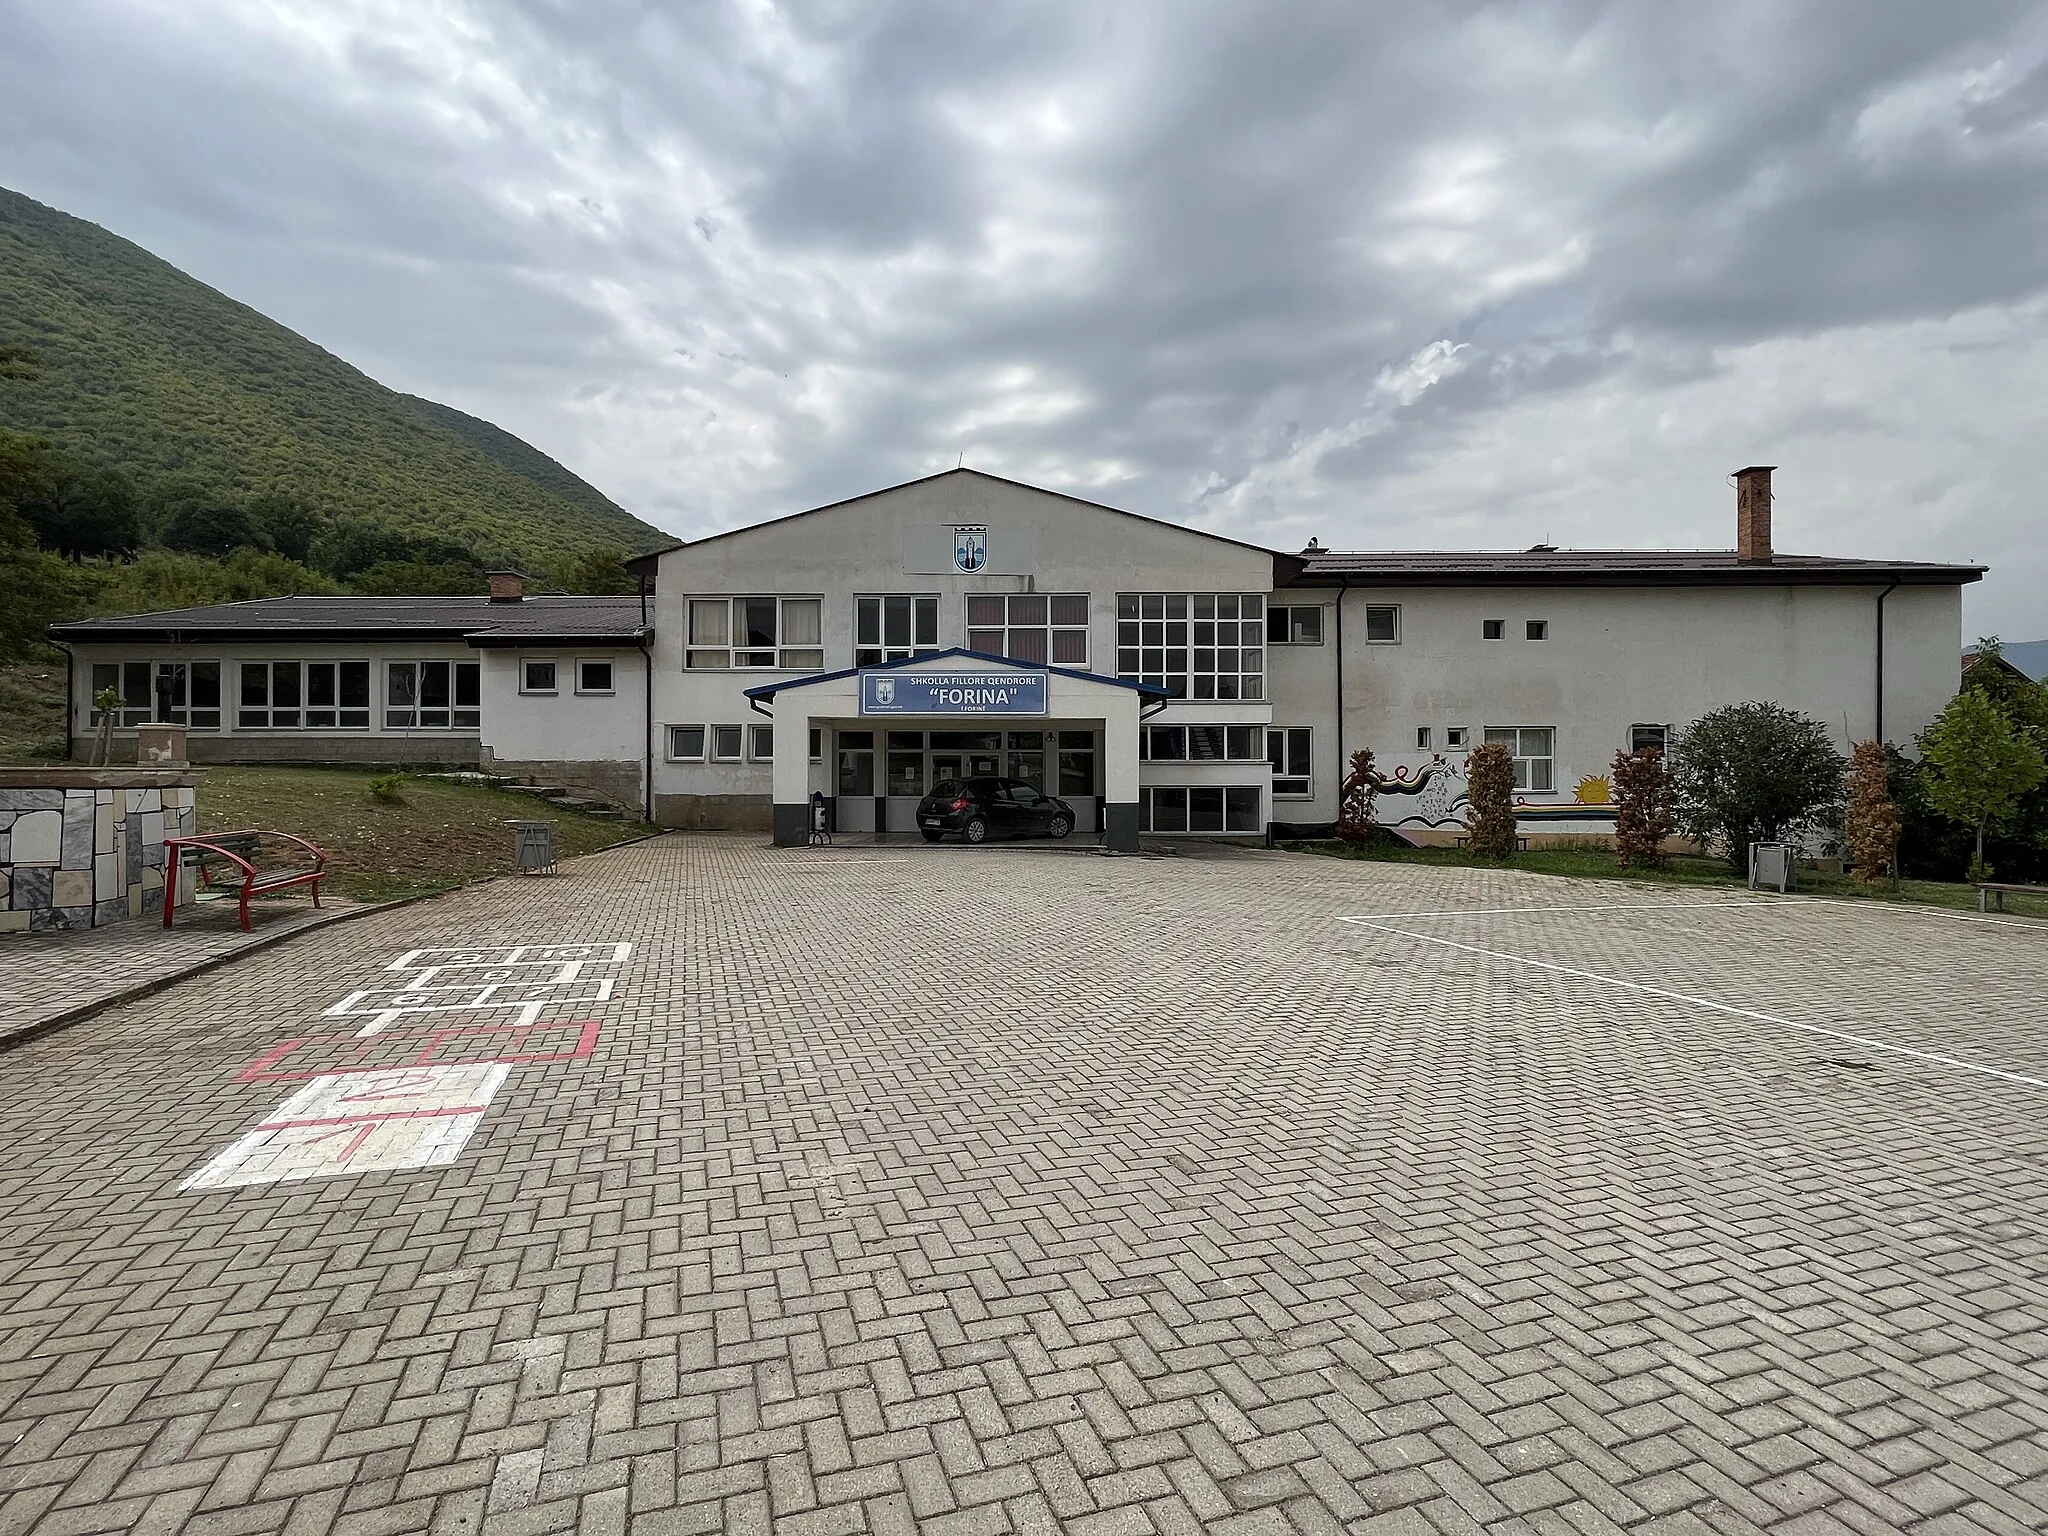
1532, 747
542, 676
293, 695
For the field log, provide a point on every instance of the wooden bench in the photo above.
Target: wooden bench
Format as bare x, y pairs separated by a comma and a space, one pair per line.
224, 859
1989, 890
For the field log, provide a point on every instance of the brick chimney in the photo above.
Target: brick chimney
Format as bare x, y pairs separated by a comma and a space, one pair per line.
1753, 514
510, 586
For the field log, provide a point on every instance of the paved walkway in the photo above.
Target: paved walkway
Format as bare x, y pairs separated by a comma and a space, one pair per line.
938, 1190
47, 976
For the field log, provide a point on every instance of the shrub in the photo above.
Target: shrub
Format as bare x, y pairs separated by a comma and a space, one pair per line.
1355, 803
384, 788
1755, 773
1978, 767
1871, 833
1490, 794
1645, 810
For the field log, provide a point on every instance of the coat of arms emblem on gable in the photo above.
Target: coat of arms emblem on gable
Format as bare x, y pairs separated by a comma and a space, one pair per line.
970, 548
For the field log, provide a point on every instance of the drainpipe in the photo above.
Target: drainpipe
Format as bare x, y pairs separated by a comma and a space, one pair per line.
1343, 762
647, 711
1887, 592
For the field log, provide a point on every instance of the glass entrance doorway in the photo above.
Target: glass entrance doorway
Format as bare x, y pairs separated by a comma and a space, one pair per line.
890, 771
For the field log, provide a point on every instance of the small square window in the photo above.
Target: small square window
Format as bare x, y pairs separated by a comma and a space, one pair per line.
686, 743
593, 677
725, 743
537, 677
1455, 736
1493, 629
1648, 737
1537, 629
1423, 738
761, 743
1382, 626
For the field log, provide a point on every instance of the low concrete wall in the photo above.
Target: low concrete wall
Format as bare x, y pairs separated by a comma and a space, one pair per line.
84, 846
310, 751
715, 813
616, 782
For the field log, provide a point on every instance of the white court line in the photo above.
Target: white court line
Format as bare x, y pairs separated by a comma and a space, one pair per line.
1748, 900
1708, 1003
821, 863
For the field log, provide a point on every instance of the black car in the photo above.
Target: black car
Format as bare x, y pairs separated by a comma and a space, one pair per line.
979, 809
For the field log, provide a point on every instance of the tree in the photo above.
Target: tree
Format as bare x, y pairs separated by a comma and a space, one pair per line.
1979, 767
1645, 810
1490, 793
19, 363
1871, 832
420, 578
1355, 800
596, 571
288, 524
1755, 773
77, 510
209, 527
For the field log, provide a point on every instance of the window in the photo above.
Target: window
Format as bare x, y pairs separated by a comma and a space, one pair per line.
338, 695
817, 745
1207, 808
1195, 645
761, 743
536, 677
1030, 626
1536, 629
1201, 743
1295, 625
856, 763
593, 677
1289, 752
1422, 738
785, 632
1493, 629
1454, 738
1653, 737
894, 627
725, 743
427, 695
1077, 762
1383, 626
310, 695
905, 765
686, 743
1534, 748
174, 692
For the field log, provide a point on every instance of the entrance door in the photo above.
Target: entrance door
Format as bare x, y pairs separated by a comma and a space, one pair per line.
856, 781
906, 781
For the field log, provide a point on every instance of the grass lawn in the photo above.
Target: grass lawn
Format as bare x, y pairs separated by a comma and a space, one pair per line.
443, 835
1598, 864
32, 712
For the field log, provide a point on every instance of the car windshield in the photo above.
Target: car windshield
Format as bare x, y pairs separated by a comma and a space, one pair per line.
948, 789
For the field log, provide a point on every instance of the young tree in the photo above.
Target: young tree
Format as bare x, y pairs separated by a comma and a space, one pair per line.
1490, 793
1979, 767
1871, 832
1755, 773
1645, 810
598, 572
1355, 802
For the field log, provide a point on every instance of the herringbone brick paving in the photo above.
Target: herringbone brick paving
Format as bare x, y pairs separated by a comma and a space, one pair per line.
982, 1190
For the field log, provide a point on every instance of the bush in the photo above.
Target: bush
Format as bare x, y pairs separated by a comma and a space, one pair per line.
1978, 768
385, 787
1870, 836
1355, 802
1755, 773
1490, 794
1645, 810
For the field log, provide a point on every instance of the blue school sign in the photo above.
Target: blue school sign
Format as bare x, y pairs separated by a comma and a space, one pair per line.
964, 691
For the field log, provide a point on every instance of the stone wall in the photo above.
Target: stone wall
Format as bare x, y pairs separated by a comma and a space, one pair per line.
84, 846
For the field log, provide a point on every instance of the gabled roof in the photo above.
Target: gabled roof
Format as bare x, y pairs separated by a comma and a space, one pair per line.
547, 618
644, 565
769, 690
1611, 567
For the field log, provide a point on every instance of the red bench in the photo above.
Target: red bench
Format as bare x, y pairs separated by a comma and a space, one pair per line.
223, 859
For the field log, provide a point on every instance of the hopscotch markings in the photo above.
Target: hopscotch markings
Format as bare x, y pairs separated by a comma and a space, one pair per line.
270, 1066
523, 977
1710, 1004
400, 1118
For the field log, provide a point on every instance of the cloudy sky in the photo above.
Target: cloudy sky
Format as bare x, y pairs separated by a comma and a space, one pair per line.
1392, 275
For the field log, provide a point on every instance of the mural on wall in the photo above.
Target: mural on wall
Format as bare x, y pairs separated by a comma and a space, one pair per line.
1432, 796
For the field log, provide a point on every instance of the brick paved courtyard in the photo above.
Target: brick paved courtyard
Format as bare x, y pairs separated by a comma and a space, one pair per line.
892, 1188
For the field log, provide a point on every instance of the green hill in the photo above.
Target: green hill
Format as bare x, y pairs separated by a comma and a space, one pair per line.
146, 371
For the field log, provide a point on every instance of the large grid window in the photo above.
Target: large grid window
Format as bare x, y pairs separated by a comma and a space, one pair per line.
894, 627
1195, 645
308, 695
1201, 743
755, 632
430, 695
173, 692
1534, 748
1291, 751
1030, 626
1201, 808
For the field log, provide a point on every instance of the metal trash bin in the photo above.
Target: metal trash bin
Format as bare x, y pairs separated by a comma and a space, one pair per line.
1772, 865
533, 847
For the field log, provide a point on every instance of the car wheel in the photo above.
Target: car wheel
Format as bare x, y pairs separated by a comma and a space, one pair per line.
1060, 826
976, 830
929, 835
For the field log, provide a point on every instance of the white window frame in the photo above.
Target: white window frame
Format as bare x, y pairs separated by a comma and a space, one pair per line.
1664, 734
365, 713
1457, 737
1425, 738
1280, 618
761, 743
526, 678
1046, 635
1289, 748
1373, 608
1525, 763
714, 656
1167, 628
1535, 629
669, 734
739, 745
1496, 624
876, 604
597, 661
414, 715
1150, 794
182, 711
1202, 744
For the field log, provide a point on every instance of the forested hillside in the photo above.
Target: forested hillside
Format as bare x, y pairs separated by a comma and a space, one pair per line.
144, 371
